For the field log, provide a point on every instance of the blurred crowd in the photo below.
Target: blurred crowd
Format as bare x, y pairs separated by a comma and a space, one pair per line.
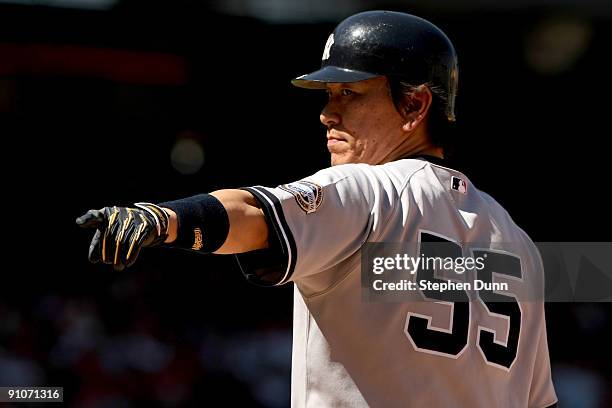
113, 349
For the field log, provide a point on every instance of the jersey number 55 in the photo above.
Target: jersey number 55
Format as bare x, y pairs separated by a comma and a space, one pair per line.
453, 341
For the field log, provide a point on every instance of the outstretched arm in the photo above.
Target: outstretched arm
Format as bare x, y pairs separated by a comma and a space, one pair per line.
224, 222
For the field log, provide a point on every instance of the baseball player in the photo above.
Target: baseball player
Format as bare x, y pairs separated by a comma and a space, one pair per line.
391, 80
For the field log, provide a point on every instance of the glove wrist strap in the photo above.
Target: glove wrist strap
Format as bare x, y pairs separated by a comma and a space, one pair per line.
161, 217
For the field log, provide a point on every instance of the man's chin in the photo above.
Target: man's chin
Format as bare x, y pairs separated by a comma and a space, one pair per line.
335, 159
339, 158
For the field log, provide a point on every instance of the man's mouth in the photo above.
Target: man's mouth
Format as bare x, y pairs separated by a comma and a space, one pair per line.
333, 137
335, 143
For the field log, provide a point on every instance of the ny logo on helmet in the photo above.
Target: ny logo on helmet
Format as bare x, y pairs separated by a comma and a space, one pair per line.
328, 44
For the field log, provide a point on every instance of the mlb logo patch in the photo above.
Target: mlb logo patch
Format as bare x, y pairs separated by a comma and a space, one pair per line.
458, 184
308, 195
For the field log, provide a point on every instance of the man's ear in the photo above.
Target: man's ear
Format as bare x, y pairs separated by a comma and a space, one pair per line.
415, 107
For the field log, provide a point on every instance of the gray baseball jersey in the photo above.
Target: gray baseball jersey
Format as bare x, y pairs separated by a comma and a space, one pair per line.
348, 352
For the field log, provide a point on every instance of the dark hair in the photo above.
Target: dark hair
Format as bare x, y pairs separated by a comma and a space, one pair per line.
440, 126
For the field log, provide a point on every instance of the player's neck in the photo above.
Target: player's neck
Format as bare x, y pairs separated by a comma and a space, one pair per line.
414, 145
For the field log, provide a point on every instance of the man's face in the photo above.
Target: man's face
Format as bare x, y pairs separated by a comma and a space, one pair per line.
362, 123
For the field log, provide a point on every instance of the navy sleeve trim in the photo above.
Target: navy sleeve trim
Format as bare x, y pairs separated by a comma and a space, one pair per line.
280, 234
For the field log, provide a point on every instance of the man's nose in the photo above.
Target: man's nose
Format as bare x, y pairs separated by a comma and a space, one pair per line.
329, 116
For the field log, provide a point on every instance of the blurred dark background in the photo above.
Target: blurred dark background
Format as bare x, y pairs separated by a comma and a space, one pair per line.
108, 102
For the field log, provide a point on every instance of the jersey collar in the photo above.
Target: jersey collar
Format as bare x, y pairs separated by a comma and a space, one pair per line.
428, 158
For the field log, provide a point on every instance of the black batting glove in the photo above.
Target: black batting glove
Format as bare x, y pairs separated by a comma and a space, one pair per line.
122, 232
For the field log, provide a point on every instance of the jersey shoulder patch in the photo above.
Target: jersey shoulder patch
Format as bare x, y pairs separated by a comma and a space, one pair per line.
308, 195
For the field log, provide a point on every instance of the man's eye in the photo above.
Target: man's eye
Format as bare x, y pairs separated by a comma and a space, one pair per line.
347, 92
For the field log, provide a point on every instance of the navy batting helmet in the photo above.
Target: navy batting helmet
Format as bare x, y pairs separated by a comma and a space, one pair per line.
399, 46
